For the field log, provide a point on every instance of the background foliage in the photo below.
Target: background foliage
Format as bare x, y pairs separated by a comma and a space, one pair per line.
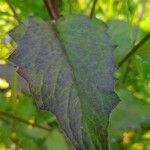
128, 22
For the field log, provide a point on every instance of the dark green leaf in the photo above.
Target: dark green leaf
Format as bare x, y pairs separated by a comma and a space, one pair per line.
70, 76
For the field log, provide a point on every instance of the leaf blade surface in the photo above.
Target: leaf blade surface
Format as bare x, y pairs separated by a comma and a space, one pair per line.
70, 73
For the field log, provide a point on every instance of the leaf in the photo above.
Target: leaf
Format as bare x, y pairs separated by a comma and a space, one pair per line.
144, 51
33, 8
25, 103
70, 73
56, 141
131, 113
7, 72
124, 36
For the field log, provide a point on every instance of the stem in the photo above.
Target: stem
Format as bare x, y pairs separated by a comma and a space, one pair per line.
93, 8
14, 90
142, 11
8, 115
52, 9
134, 49
14, 11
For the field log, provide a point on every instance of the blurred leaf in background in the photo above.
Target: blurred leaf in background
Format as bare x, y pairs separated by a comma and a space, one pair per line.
128, 22
20, 130
129, 123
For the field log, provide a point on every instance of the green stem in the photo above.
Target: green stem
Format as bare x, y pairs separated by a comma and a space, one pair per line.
14, 90
134, 49
93, 8
12, 116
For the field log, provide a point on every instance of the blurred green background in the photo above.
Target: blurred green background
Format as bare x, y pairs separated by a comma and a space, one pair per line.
23, 127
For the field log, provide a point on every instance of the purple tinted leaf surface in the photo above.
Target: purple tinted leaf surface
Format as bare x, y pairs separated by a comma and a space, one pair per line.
69, 68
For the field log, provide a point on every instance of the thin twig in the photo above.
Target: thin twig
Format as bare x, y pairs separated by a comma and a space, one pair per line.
12, 116
93, 8
134, 49
52, 9
14, 11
